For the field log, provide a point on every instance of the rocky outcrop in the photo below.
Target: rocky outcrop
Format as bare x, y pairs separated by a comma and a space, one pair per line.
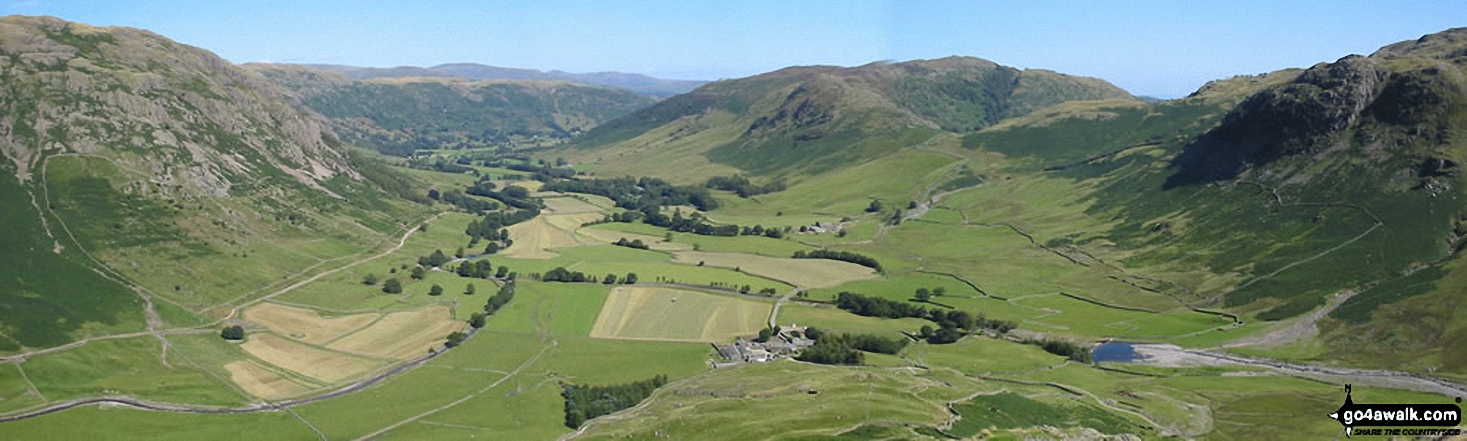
181, 113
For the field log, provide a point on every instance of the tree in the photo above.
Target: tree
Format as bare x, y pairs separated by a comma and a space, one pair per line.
912, 205
435, 290
371, 279
235, 332
744, 289
631, 278
477, 320
392, 286
609, 280
939, 291
459, 253
926, 332
455, 339
874, 207
503, 270
923, 295
667, 237
418, 273
813, 333
433, 194
469, 290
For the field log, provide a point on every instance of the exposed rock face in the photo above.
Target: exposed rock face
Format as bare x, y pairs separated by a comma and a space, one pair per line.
181, 113
1400, 96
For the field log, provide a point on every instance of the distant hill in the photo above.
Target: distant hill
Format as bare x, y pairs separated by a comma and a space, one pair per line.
641, 84
811, 119
399, 115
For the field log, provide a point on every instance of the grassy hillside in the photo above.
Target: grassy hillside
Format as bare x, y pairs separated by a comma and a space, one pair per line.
138, 166
804, 121
400, 115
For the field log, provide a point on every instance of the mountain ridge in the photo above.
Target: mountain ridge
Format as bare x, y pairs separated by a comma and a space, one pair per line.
639, 83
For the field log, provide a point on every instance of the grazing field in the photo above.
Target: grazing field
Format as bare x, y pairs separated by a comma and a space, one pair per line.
304, 324
401, 335
319, 364
1083, 318
261, 382
130, 366
677, 315
805, 273
650, 266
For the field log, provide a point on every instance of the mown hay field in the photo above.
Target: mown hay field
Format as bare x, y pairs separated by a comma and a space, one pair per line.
808, 273
677, 315
401, 335
304, 324
261, 382
320, 364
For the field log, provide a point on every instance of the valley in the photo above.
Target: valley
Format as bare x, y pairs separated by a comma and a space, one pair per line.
916, 250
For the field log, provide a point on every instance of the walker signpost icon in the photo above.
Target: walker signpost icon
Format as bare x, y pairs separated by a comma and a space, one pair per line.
1352, 415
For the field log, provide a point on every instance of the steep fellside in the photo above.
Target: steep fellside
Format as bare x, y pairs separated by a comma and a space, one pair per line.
398, 116
137, 163
810, 120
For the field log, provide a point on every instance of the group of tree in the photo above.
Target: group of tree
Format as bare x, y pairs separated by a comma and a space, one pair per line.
741, 185
235, 332
492, 225
635, 243
926, 295
584, 402
844, 256
479, 269
644, 194
434, 260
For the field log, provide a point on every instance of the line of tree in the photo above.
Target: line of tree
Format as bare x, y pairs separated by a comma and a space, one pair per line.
638, 194
499, 299
560, 274
584, 402
844, 256
458, 199
1065, 348
512, 195
952, 324
866, 342
742, 186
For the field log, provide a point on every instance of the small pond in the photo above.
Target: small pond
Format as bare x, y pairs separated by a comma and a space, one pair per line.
1116, 351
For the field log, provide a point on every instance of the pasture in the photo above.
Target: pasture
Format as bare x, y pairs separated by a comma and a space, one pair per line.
677, 315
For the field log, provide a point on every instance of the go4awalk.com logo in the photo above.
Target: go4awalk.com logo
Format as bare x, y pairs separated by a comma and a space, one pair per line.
1418, 418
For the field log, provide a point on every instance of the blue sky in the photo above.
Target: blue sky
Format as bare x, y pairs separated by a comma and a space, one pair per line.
1158, 48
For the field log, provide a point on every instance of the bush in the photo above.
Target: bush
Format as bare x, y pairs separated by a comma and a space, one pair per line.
392, 286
